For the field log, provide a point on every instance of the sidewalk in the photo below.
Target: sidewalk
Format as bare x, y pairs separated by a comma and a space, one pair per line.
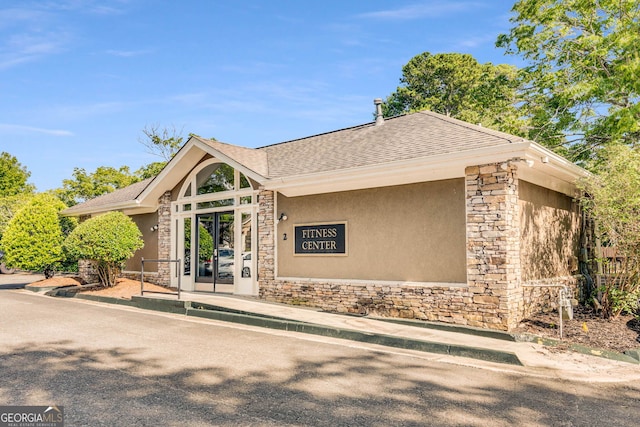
535, 359
497, 351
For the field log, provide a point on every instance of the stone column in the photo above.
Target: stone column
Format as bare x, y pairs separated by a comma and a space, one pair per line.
164, 238
266, 239
493, 243
87, 268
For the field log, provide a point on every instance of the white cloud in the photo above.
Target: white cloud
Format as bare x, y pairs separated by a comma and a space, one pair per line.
12, 128
128, 53
76, 112
22, 48
423, 10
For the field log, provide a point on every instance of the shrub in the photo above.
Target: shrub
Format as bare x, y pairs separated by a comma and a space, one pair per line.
613, 201
33, 238
108, 240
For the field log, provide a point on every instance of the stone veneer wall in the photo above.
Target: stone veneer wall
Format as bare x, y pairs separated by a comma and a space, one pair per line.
493, 297
538, 296
149, 277
87, 271
493, 243
266, 238
164, 240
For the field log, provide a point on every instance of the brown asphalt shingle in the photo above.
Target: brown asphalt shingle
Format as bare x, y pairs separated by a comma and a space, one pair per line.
421, 134
125, 194
412, 136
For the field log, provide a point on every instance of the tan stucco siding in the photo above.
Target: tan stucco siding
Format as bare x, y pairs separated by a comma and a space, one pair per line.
411, 232
550, 232
150, 249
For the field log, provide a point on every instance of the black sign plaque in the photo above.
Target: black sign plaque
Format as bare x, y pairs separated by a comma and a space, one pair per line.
321, 239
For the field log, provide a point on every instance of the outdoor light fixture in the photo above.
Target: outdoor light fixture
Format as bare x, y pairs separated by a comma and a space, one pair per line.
284, 236
154, 228
283, 217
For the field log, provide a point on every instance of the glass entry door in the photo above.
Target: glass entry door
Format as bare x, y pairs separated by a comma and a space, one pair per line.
215, 251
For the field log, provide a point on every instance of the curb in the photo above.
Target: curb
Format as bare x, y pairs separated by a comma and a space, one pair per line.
212, 312
629, 356
352, 335
469, 330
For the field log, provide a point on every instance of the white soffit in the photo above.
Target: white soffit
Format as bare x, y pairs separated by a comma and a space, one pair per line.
434, 168
547, 170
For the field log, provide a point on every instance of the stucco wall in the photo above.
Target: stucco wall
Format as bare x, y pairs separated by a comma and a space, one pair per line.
549, 224
408, 233
150, 249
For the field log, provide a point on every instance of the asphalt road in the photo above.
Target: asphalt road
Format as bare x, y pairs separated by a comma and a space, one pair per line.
117, 366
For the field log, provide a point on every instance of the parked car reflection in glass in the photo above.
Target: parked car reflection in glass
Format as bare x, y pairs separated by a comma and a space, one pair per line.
246, 264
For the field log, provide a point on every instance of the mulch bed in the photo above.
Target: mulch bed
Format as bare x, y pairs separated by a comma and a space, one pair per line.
587, 328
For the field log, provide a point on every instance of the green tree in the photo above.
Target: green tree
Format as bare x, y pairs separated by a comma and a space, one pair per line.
163, 142
103, 180
582, 74
108, 240
13, 176
33, 238
150, 170
456, 85
613, 201
9, 206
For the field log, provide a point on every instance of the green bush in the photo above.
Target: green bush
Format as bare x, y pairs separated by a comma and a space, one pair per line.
108, 240
33, 237
9, 206
613, 201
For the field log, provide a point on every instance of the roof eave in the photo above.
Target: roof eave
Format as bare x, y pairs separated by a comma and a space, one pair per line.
557, 174
129, 206
248, 172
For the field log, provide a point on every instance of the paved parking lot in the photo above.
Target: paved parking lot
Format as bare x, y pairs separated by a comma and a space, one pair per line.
113, 365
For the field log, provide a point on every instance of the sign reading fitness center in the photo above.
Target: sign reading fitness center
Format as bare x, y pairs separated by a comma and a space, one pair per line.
321, 239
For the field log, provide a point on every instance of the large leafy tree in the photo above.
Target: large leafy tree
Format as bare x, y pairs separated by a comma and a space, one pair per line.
582, 73
15, 191
613, 200
103, 180
163, 142
108, 240
9, 206
458, 86
13, 176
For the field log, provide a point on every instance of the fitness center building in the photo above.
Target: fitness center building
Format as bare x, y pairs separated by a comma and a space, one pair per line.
419, 216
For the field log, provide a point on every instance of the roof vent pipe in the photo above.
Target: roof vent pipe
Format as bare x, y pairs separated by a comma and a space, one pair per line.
379, 118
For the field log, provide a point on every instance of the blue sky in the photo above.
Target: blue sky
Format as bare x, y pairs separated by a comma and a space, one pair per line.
80, 79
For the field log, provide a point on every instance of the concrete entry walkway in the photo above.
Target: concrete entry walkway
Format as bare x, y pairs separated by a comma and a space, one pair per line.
536, 359
18, 280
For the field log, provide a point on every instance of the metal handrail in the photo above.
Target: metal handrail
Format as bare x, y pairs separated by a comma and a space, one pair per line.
563, 301
177, 261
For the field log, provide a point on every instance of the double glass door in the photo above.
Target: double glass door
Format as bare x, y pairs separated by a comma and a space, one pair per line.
215, 250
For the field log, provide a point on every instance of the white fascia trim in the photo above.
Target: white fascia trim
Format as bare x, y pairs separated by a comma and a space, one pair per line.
120, 206
560, 164
166, 170
226, 159
445, 166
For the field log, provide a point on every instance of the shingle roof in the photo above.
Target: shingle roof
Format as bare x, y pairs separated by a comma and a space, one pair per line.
418, 135
421, 134
255, 160
125, 194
